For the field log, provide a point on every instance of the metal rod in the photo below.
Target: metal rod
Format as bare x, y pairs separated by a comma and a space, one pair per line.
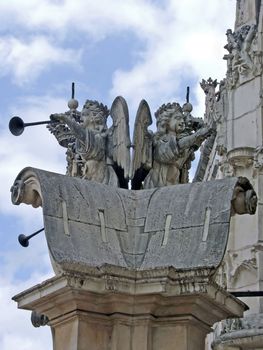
17, 125
187, 94
24, 240
35, 233
248, 293
38, 123
73, 91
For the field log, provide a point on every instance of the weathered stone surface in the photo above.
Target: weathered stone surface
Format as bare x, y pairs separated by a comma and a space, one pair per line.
244, 60
98, 153
110, 308
95, 152
90, 224
244, 333
239, 151
204, 159
164, 158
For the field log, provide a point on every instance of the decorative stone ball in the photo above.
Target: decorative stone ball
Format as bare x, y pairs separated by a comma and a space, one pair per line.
187, 107
73, 104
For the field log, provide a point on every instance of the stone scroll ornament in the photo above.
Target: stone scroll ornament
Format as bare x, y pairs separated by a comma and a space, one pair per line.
88, 224
98, 153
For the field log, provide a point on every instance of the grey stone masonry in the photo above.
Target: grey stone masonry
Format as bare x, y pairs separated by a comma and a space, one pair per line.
90, 224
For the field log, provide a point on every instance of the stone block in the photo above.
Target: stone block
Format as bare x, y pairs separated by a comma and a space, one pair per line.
113, 309
246, 98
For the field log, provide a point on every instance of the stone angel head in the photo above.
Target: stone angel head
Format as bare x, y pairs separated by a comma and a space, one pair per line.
170, 118
94, 116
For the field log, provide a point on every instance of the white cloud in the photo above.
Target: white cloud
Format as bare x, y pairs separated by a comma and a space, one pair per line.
176, 35
21, 269
98, 18
189, 44
36, 147
27, 341
16, 330
26, 60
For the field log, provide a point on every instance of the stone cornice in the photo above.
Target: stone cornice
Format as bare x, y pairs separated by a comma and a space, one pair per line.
116, 294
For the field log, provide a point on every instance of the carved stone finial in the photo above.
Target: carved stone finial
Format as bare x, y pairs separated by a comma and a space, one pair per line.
206, 85
211, 112
73, 104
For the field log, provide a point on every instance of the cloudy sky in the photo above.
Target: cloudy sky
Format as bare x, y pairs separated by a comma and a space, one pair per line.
149, 49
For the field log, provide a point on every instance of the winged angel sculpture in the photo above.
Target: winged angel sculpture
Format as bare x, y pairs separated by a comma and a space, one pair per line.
164, 158
96, 152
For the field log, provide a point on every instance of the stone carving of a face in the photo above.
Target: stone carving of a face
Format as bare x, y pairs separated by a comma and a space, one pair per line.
92, 120
176, 123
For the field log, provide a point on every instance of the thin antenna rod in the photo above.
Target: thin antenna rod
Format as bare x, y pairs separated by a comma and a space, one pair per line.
73, 90
187, 94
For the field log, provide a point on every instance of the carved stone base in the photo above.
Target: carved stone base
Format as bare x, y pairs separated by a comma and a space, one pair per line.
241, 157
120, 309
245, 333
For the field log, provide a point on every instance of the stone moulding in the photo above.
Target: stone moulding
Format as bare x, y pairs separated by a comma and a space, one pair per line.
244, 332
112, 308
113, 293
241, 157
88, 224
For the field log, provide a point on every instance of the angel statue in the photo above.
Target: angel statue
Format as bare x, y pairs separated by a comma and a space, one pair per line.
94, 151
164, 158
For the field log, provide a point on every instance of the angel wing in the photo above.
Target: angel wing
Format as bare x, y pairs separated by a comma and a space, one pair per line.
120, 140
142, 143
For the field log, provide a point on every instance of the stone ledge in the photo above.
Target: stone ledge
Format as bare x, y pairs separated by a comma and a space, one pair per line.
246, 332
163, 293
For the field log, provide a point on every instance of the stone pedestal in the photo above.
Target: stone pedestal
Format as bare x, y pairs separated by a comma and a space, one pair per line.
135, 270
119, 309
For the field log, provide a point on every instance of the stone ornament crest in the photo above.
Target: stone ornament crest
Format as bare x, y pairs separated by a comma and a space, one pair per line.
244, 58
211, 97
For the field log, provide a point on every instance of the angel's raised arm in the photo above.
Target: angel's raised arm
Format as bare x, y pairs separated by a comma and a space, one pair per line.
77, 130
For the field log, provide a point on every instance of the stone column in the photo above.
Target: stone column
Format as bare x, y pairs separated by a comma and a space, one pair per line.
124, 310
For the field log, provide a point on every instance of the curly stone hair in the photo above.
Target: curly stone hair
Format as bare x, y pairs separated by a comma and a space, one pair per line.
97, 108
164, 113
